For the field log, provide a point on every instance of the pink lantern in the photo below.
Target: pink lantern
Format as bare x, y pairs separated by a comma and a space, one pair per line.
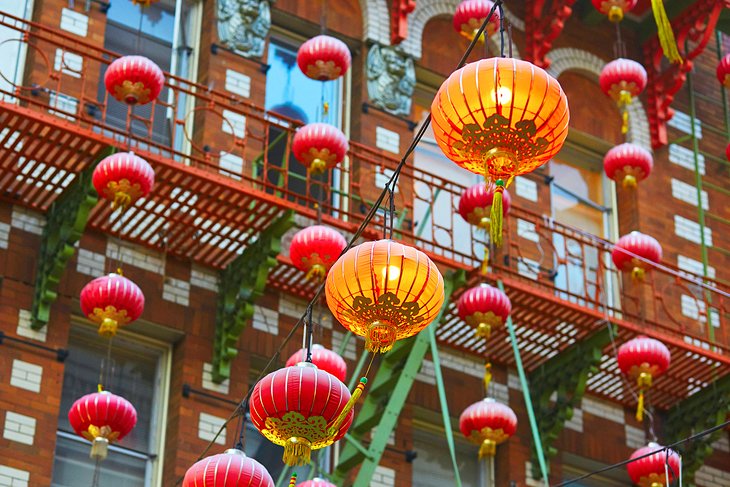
324, 58
638, 244
324, 359
134, 80
650, 471
470, 15
628, 164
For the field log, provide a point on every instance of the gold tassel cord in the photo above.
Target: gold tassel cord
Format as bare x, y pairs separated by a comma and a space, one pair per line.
485, 261
640, 407
317, 273
495, 224
664, 32
624, 100
487, 376
644, 382
297, 452
332, 431
488, 448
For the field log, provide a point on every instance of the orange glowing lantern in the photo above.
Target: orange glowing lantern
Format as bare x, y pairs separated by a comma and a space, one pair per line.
384, 291
623, 80
500, 118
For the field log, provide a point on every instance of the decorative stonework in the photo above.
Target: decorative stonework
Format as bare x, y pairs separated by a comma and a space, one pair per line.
243, 25
391, 79
376, 18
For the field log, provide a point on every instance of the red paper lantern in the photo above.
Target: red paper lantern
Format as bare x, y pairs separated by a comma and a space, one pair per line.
638, 244
623, 80
488, 423
324, 359
134, 80
650, 471
320, 146
316, 482
111, 301
628, 164
324, 58
723, 71
470, 15
484, 307
727, 152
614, 9
123, 178
642, 359
102, 418
302, 409
475, 204
229, 469
314, 249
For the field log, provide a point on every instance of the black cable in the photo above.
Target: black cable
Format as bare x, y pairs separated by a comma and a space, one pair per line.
310, 332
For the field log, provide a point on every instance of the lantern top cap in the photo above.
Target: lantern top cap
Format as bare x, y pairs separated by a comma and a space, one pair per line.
236, 452
306, 364
489, 400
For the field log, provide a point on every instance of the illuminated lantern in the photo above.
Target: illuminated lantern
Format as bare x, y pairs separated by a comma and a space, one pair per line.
102, 418
476, 202
623, 80
642, 359
111, 301
500, 118
316, 482
320, 146
123, 178
638, 244
628, 164
470, 15
614, 9
324, 359
488, 423
314, 249
384, 291
302, 409
723, 71
651, 471
484, 308
134, 80
323, 58
228, 469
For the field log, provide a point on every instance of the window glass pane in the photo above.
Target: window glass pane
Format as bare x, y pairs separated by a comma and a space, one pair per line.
157, 20
432, 467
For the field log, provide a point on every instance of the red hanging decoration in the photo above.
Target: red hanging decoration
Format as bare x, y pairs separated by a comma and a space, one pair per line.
111, 301
102, 418
229, 469
484, 308
642, 359
316, 482
488, 423
324, 358
623, 80
475, 204
650, 471
638, 244
470, 15
614, 9
324, 58
314, 249
320, 146
628, 164
727, 152
134, 80
123, 178
723, 71
302, 409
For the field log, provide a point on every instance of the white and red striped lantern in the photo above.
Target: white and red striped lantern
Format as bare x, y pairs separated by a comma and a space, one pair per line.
623, 80
628, 164
488, 423
314, 249
614, 9
102, 418
643, 359
229, 469
123, 178
324, 358
475, 204
723, 71
111, 301
469, 17
484, 308
320, 146
651, 470
134, 80
646, 249
324, 58
316, 482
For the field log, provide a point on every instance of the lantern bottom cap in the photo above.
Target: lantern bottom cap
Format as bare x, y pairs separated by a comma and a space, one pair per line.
483, 330
488, 448
297, 451
615, 14
380, 337
108, 327
99, 448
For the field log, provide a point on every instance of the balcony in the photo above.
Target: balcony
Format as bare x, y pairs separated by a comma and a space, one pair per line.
215, 193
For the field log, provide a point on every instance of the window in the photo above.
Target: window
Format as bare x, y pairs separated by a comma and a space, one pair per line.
432, 467
574, 466
139, 374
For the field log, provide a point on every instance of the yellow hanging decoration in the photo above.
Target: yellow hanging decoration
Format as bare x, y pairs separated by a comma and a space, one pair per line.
348, 407
293, 480
487, 376
495, 224
485, 261
644, 382
664, 32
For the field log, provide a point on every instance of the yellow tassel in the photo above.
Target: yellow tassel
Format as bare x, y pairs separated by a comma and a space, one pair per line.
487, 449
332, 431
317, 273
485, 261
495, 220
99, 387
293, 480
484, 330
629, 181
624, 121
640, 407
664, 32
297, 451
487, 376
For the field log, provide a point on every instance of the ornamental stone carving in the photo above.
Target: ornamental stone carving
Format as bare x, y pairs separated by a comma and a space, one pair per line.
391, 78
243, 25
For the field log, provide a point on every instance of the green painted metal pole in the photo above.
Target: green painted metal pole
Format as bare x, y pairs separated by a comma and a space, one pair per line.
723, 91
444, 404
526, 394
283, 476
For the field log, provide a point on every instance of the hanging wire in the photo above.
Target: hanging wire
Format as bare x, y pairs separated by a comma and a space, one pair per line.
309, 333
501, 28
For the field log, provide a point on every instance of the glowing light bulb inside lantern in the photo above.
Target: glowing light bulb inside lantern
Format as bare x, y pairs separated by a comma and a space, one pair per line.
390, 273
502, 95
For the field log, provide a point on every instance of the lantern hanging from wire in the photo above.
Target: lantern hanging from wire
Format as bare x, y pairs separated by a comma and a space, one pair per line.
723, 71
314, 249
324, 58
102, 418
319, 146
144, 3
470, 15
623, 80
123, 178
628, 164
302, 409
657, 470
475, 204
500, 118
111, 301
324, 358
643, 359
134, 80
384, 291
636, 252
484, 308
614, 9
228, 469
488, 423
727, 152
316, 482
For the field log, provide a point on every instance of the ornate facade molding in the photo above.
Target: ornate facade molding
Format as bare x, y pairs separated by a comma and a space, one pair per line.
243, 25
391, 78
